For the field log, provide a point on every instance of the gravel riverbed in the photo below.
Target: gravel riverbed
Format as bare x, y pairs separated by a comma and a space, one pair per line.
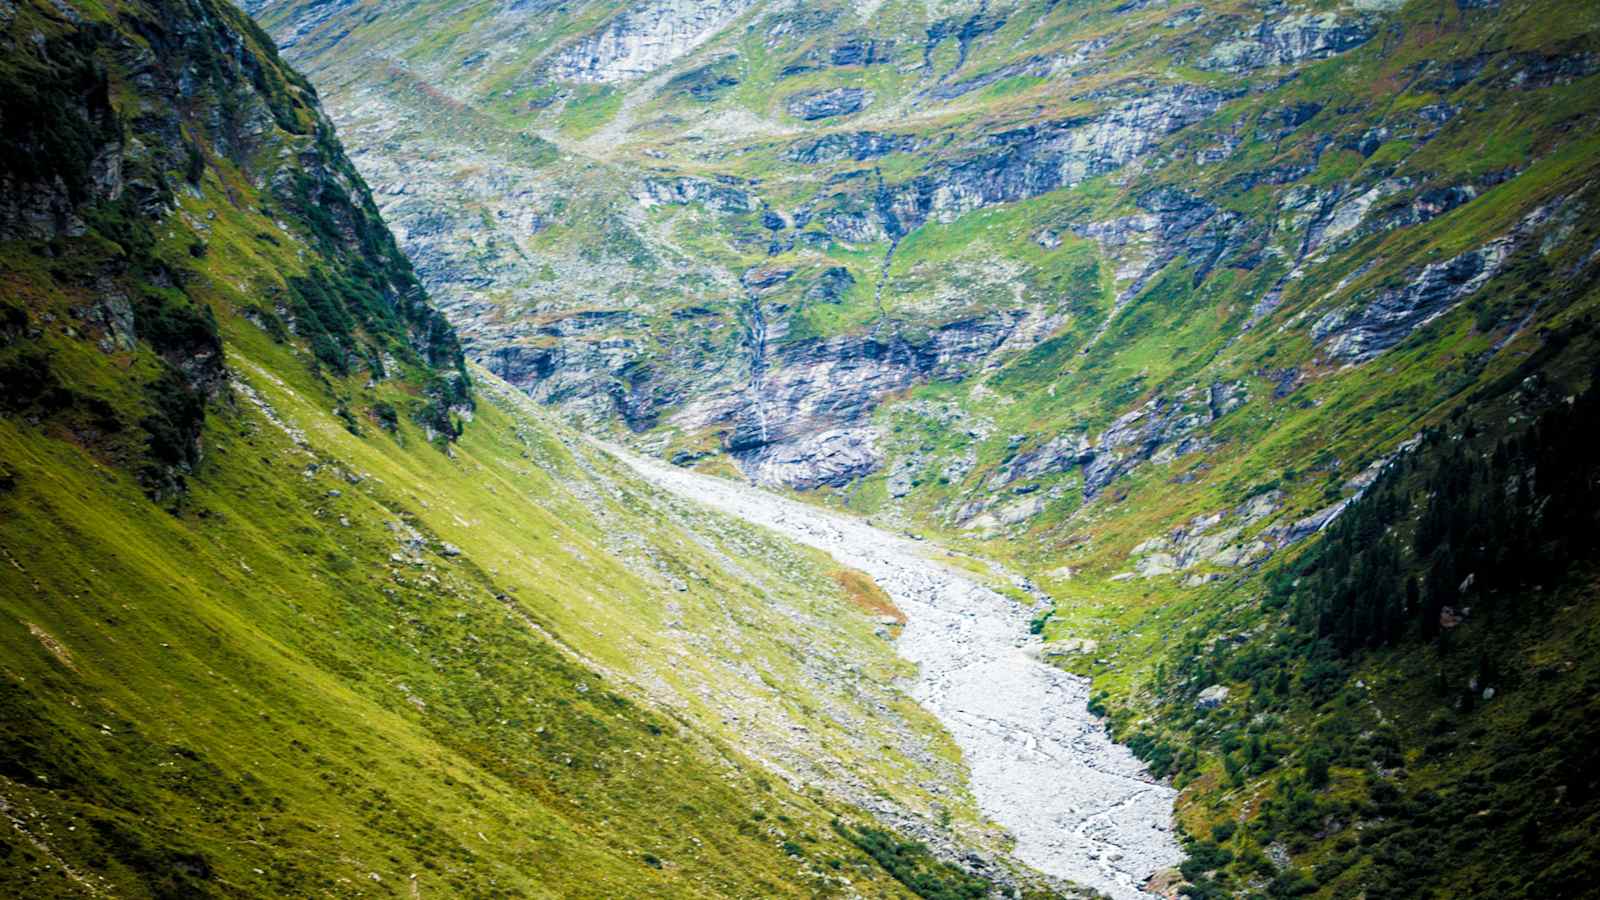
1079, 806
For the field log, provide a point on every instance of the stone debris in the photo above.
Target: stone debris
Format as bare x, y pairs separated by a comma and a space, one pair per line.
1217, 539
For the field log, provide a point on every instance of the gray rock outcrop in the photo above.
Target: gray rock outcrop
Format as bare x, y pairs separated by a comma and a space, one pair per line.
722, 196
644, 39
1355, 336
1162, 429
858, 145
1036, 159
829, 103
1291, 40
813, 394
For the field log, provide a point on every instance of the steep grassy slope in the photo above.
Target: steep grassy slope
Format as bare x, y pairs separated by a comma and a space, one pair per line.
271, 694
247, 701
291, 608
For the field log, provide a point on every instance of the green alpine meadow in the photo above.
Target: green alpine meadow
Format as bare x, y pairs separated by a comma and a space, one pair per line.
946, 449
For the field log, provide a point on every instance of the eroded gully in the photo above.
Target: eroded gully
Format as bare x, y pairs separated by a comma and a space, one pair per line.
1079, 806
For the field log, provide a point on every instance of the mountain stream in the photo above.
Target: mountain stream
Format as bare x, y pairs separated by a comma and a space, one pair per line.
1079, 806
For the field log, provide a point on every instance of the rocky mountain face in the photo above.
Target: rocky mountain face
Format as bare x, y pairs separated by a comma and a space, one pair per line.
1142, 297
710, 221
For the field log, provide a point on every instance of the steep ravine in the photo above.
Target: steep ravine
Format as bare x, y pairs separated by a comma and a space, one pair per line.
1080, 806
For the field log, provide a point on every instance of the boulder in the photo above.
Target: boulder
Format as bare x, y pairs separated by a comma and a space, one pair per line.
829, 103
1165, 883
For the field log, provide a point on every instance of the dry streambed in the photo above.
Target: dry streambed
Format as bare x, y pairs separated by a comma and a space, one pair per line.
1080, 806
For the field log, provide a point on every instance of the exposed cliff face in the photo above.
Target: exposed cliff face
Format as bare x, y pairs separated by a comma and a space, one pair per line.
722, 197
1162, 430
800, 423
829, 103
1038, 159
859, 146
643, 39
1360, 335
1291, 40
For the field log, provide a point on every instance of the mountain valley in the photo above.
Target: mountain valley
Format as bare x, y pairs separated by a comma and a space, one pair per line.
748, 448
